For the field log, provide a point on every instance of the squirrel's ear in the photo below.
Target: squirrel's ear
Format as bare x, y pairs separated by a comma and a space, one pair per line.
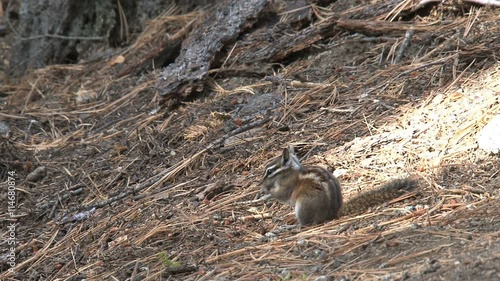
285, 157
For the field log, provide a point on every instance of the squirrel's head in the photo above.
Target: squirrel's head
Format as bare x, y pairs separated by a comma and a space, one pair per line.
280, 169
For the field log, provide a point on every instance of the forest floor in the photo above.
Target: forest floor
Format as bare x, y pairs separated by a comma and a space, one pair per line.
111, 186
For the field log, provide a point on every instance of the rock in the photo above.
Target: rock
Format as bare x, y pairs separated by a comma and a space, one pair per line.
4, 128
38, 174
489, 137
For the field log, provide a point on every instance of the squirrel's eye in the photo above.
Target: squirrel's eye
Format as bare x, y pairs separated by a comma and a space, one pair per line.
270, 170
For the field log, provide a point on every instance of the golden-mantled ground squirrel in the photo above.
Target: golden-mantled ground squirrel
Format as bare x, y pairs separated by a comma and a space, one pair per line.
315, 193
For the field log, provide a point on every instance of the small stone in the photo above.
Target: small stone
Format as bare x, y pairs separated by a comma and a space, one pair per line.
489, 137
415, 226
411, 208
38, 174
4, 128
339, 172
316, 268
302, 243
285, 274
271, 236
323, 278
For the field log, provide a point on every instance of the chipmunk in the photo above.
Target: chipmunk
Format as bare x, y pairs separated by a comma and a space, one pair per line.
315, 193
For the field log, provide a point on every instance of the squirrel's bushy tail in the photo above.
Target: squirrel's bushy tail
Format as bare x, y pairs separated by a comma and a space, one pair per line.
378, 196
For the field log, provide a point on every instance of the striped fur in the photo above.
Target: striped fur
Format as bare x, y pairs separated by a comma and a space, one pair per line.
316, 194
312, 191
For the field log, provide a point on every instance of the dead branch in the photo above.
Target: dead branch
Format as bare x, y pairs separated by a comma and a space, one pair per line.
404, 45
189, 71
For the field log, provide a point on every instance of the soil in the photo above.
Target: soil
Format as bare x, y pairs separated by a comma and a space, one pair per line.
112, 186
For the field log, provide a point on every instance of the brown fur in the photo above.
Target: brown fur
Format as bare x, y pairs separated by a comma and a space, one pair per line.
316, 194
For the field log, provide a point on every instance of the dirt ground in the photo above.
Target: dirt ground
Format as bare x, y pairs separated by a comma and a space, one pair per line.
111, 186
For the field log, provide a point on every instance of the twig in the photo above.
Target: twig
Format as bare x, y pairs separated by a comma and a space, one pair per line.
386, 84
90, 38
255, 217
62, 198
137, 188
159, 179
251, 202
179, 270
404, 45
493, 3
218, 142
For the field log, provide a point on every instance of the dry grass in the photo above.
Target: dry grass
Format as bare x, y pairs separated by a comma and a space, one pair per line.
174, 196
